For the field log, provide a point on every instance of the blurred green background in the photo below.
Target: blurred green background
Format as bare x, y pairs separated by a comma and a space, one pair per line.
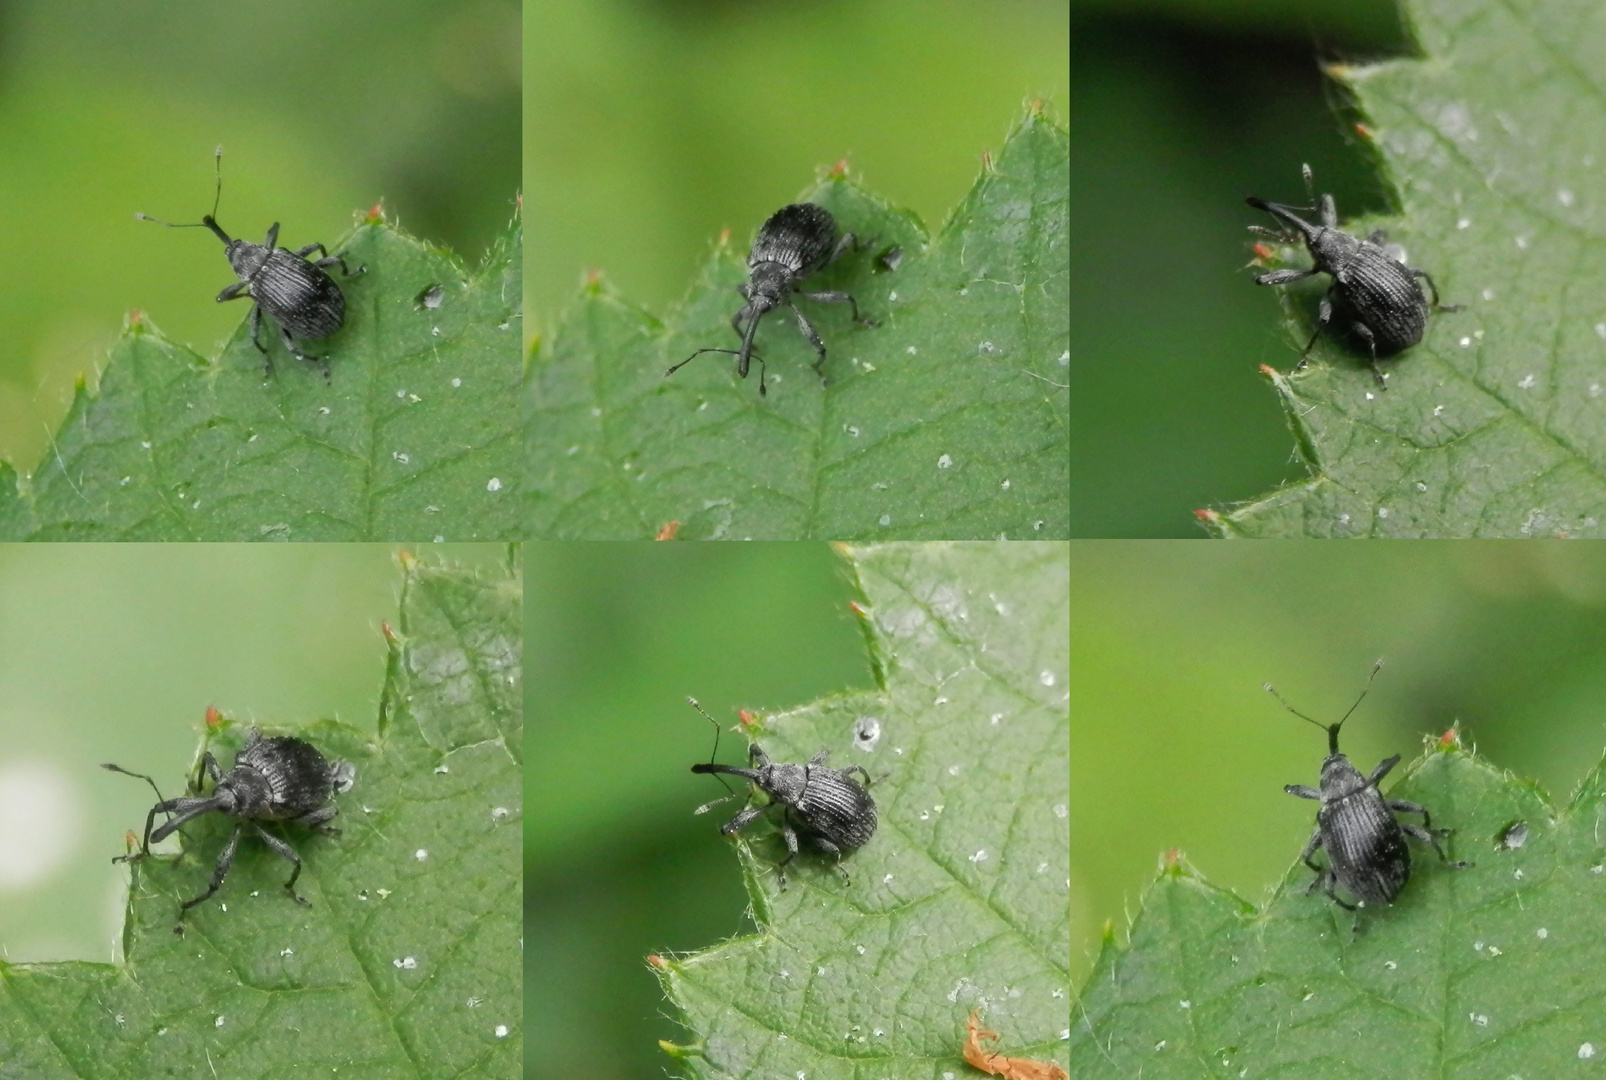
615, 865
112, 652
1177, 746
322, 110
1182, 108
650, 125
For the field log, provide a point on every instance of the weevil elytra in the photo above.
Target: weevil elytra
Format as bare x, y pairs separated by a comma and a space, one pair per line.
280, 778
827, 806
795, 242
1365, 843
1371, 286
297, 292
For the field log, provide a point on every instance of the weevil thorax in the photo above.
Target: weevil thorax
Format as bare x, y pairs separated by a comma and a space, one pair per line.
1331, 249
766, 284
243, 792
785, 782
247, 258
1339, 776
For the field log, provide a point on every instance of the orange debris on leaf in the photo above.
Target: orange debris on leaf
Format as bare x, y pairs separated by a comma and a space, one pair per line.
994, 1064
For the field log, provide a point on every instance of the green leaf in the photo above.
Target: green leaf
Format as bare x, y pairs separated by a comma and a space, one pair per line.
950, 419
1496, 424
959, 900
1488, 972
407, 962
415, 437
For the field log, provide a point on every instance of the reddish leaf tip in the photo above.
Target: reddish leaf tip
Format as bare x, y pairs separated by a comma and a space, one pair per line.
214, 719
668, 531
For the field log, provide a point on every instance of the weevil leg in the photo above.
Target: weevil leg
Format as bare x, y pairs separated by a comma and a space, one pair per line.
1382, 770
1303, 792
831, 849
1405, 807
809, 332
741, 820
163, 806
1434, 289
1332, 894
284, 851
207, 766
225, 860
835, 296
790, 836
1283, 277
1305, 857
862, 772
317, 820
821, 758
329, 260
1378, 237
321, 361
273, 236
1324, 312
335, 260
234, 292
1364, 332
1425, 831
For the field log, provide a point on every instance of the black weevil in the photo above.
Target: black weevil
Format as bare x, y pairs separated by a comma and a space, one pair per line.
280, 778
1365, 843
826, 805
301, 297
797, 241
1376, 291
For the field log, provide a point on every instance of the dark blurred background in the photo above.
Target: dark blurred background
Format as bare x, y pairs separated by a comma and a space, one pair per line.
322, 109
650, 125
1177, 746
615, 865
1182, 108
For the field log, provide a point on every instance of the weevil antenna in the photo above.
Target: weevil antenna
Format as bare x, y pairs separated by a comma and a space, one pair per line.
694, 704
217, 198
1331, 729
1375, 669
138, 776
210, 220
